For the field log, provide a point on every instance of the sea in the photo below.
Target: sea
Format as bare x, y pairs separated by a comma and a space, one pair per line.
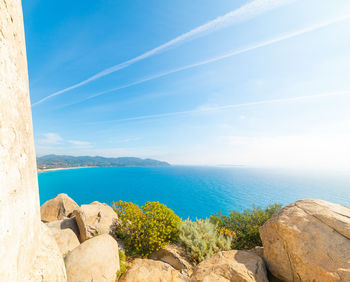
195, 192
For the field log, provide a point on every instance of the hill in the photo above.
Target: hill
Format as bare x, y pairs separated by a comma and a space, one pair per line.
62, 161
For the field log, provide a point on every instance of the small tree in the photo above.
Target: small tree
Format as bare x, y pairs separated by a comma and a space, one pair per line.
146, 229
246, 224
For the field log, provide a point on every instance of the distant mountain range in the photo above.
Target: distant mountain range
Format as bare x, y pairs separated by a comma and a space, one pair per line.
61, 161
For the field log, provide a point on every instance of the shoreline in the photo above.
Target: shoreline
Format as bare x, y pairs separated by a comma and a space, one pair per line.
41, 170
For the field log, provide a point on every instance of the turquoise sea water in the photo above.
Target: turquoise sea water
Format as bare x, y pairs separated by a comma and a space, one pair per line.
194, 191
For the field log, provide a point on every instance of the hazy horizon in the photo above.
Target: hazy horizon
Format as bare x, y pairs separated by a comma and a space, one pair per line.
260, 83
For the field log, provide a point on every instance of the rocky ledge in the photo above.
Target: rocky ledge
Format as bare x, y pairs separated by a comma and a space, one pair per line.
308, 240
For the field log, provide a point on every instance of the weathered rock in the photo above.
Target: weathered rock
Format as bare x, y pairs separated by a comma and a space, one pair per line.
68, 223
175, 256
58, 208
48, 265
95, 260
308, 240
258, 251
94, 219
237, 266
148, 270
65, 239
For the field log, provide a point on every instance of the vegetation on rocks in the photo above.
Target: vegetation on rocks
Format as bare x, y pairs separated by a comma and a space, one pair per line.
123, 265
146, 229
246, 225
202, 239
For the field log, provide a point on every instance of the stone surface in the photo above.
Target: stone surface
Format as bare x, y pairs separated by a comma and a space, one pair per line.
19, 197
308, 240
68, 223
237, 266
58, 208
96, 259
48, 264
65, 239
148, 270
175, 256
95, 218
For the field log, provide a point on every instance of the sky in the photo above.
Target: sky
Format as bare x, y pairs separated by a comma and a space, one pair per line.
248, 82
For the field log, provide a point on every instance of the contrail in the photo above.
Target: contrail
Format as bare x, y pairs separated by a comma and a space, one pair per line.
241, 14
227, 55
233, 106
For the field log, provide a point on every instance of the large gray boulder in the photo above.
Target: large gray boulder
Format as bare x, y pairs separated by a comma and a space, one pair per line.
58, 208
66, 240
68, 223
95, 219
235, 266
308, 240
148, 270
96, 259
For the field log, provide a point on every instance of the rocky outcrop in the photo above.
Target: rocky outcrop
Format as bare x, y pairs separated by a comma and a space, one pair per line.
175, 256
94, 219
58, 208
147, 270
48, 264
237, 266
68, 223
308, 240
95, 260
65, 239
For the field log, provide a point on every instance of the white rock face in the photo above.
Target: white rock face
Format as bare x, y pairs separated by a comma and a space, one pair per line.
48, 264
308, 240
19, 197
97, 259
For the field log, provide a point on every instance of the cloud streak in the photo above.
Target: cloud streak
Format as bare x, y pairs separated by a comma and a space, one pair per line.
224, 56
227, 107
241, 14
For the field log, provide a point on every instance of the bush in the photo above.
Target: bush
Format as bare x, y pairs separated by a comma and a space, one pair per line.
146, 229
122, 264
201, 239
246, 225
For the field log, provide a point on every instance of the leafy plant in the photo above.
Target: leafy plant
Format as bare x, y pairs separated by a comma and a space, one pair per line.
146, 229
246, 224
201, 239
122, 264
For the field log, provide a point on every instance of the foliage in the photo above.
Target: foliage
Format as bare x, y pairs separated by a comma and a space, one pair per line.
201, 239
146, 229
122, 264
246, 225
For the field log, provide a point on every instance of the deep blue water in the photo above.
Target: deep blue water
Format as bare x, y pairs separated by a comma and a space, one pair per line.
194, 191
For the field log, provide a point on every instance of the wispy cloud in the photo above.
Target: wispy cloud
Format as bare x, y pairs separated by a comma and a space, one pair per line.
224, 56
201, 109
79, 143
241, 14
51, 139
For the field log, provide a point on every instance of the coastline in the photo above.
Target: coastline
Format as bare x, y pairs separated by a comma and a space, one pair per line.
42, 170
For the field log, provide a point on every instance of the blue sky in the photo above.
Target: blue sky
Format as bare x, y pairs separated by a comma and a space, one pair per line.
258, 83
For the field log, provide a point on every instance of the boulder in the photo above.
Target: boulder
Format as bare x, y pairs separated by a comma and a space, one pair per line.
65, 239
175, 256
308, 240
237, 266
48, 265
68, 223
58, 208
95, 219
95, 260
147, 270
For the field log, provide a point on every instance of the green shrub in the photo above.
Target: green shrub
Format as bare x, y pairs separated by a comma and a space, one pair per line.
201, 239
246, 225
146, 229
122, 264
